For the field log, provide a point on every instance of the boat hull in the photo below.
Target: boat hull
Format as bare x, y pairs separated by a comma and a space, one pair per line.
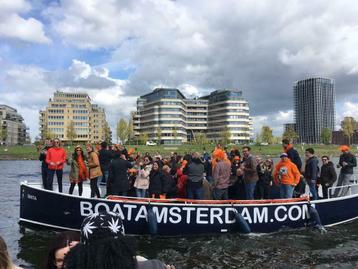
62, 211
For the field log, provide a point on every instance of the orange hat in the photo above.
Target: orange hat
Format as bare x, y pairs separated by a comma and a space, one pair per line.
131, 151
219, 154
344, 148
184, 163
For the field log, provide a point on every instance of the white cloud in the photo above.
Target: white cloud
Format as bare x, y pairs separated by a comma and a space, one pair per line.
13, 26
274, 120
350, 109
28, 88
258, 47
261, 47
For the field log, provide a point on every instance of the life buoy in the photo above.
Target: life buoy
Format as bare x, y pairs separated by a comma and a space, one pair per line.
314, 219
152, 222
242, 223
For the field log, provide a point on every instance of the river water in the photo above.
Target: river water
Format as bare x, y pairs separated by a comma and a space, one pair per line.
306, 248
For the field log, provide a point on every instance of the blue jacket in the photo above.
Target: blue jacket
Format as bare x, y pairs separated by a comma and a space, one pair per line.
311, 169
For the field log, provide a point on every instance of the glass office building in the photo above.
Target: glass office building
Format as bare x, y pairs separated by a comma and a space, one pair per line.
314, 105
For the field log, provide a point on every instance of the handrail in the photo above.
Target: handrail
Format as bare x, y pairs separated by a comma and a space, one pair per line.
332, 189
191, 201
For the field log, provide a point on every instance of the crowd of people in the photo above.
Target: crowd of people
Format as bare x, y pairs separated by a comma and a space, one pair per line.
221, 175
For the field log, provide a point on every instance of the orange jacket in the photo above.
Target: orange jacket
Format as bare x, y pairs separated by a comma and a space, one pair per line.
56, 156
286, 173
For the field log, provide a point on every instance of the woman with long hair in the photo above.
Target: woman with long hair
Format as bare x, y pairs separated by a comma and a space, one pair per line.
5, 259
94, 170
59, 249
155, 181
142, 181
79, 172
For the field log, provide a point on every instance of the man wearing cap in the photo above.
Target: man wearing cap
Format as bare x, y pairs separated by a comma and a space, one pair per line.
347, 161
286, 176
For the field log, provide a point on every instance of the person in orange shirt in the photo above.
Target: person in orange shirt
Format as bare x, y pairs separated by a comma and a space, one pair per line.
55, 158
79, 171
286, 176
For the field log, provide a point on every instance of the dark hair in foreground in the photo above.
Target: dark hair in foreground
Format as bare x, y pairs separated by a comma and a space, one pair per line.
246, 147
310, 150
62, 240
108, 253
104, 144
285, 141
5, 261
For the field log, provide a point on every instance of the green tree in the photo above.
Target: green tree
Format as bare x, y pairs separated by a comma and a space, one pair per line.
71, 132
143, 138
108, 134
201, 138
266, 134
258, 139
349, 125
49, 134
46, 133
158, 135
3, 134
122, 130
225, 136
290, 134
326, 136
130, 129
175, 134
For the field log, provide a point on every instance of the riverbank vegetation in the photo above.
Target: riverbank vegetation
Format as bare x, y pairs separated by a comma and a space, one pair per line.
31, 152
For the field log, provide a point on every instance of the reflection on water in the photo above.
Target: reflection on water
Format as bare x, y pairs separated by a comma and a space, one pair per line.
287, 249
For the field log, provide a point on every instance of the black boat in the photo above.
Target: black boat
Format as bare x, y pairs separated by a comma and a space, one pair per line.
180, 216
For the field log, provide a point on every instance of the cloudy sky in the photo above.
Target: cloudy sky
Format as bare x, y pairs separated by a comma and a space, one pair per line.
116, 50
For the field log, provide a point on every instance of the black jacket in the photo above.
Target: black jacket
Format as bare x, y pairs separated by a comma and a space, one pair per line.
295, 158
311, 169
350, 159
208, 169
118, 176
328, 174
265, 174
105, 158
195, 171
155, 182
168, 184
42, 157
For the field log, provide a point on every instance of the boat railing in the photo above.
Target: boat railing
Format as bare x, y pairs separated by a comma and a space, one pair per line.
191, 201
345, 190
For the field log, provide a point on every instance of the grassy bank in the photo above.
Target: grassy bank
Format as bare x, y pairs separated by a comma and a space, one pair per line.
31, 153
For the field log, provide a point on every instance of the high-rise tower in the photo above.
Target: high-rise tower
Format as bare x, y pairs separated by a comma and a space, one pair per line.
314, 100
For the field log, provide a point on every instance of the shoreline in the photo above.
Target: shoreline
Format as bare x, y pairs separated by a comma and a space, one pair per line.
30, 153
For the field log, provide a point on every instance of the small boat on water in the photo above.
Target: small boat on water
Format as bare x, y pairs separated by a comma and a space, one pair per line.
56, 210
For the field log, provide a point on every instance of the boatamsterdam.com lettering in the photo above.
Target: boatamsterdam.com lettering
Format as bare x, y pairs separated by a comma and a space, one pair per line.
199, 215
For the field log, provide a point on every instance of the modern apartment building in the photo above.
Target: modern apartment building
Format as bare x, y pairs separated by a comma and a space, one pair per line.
13, 130
314, 105
228, 111
72, 117
167, 116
